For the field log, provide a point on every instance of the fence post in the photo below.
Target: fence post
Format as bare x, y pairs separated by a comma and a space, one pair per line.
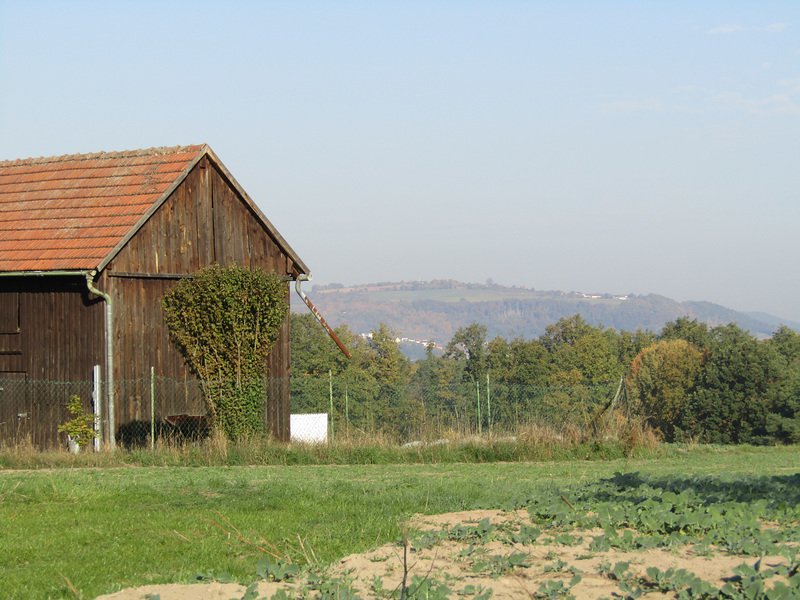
330, 391
98, 427
478, 392
488, 403
152, 408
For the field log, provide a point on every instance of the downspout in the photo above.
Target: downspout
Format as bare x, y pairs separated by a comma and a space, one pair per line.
89, 275
316, 313
109, 355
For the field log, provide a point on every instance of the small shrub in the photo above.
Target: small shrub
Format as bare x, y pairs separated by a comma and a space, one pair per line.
80, 427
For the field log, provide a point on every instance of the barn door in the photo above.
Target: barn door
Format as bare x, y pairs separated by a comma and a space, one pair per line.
16, 417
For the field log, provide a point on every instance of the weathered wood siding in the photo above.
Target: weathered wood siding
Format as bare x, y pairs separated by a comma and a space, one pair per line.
203, 222
51, 333
53, 330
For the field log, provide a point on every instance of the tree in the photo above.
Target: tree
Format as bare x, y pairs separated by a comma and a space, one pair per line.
597, 358
312, 349
661, 380
313, 356
391, 371
732, 400
783, 421
786, 342
567, 330
434, 384
468, 343
518, 362
581, 353
389, 365
225, 322
629, 345
693, 331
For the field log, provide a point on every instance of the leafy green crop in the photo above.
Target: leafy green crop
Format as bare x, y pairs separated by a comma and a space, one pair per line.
639, 511
167, 524
277, 570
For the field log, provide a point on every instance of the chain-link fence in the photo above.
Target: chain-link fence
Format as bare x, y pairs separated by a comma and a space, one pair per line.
35, 409
154, 408
416, 411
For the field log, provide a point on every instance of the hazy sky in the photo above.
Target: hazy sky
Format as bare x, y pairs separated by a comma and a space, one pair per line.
644, 147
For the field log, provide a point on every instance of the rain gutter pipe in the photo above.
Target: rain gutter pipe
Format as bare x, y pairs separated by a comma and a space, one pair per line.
89, 275
316, 313
112, 442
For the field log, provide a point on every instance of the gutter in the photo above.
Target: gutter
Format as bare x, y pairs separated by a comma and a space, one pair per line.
316, 313
89, 276
42, 273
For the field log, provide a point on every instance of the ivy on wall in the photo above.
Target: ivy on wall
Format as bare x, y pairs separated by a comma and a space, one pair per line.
225, 321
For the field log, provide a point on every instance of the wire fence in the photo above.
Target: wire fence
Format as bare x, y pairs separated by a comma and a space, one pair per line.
35, 409
418, 411
323, 408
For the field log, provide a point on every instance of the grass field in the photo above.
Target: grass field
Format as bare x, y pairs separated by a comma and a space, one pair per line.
82, 532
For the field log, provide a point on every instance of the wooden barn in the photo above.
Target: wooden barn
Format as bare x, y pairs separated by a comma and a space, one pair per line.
89, 243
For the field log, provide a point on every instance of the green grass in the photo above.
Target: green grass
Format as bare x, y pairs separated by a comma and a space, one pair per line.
535, 444
99, 530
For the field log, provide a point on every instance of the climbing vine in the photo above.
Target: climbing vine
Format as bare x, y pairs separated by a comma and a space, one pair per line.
225, 321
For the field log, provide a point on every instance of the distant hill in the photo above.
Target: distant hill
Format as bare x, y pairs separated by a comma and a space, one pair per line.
434, 310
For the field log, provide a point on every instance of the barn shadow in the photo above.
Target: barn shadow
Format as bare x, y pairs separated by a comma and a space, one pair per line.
177, 429
711, 489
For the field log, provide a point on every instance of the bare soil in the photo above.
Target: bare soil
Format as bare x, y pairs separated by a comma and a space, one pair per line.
452, 562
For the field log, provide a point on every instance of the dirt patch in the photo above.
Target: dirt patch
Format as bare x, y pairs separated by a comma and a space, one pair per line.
470, 567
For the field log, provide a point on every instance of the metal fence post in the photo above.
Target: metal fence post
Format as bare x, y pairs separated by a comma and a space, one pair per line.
478, 392
488, 403
330, 391
98, 428
152, 408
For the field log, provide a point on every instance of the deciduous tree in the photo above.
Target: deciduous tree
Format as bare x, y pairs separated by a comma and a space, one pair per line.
783, 422
693, 331
732, 400
661, 380
468, 343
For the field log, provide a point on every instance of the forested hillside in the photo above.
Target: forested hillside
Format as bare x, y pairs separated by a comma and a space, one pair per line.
507, 358
689, 382
436, 310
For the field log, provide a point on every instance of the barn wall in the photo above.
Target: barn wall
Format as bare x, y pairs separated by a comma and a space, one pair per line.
202, 223
50, 331
239, 237
278, 412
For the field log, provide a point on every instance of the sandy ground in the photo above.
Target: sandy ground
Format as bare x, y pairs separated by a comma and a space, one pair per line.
452, 563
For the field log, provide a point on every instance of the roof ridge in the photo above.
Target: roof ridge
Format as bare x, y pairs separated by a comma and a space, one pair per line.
154, 151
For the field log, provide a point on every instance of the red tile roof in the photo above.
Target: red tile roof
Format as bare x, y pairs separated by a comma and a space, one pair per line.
70, 212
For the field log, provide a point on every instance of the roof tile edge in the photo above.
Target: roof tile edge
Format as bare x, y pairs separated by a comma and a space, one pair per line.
156, 150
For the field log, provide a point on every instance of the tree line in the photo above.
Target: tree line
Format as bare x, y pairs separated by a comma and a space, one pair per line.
690, 382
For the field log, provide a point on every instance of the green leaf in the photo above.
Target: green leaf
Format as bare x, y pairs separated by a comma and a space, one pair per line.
251, 593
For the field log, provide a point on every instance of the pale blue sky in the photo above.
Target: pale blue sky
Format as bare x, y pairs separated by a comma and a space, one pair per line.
644, 147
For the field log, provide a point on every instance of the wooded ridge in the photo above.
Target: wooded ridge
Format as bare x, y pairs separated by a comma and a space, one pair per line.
435, 310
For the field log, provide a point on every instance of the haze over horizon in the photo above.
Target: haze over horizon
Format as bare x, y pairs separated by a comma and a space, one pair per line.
318, 289
608, 147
